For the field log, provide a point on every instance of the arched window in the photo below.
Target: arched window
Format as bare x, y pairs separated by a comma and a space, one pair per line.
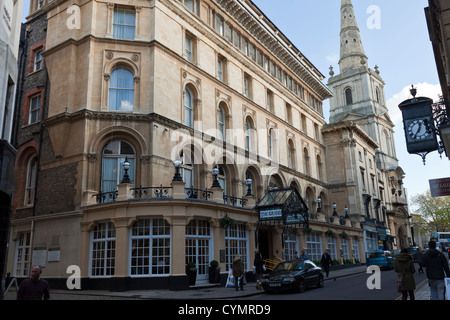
275, 182
387, 142
188, 107
291, 155
272, 145
113, 157
348, 96
222, 126
319, 168
306, 163
121, 89
30, 187
377, 93
250, 135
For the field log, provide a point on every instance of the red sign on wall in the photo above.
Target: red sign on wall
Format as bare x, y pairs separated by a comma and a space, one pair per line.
440, 187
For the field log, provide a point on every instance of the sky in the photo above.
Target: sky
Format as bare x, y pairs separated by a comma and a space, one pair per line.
395, 37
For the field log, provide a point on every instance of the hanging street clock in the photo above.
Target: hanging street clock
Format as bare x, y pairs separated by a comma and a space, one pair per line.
419, 126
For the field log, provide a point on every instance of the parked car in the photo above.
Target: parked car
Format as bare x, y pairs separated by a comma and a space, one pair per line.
380, 258
293, 275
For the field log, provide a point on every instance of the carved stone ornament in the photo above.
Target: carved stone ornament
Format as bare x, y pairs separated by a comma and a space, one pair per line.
348, 142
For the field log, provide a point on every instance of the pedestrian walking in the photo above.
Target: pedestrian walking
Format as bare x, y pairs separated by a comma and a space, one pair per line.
259, 269
404, 266
437, 269
238, 272
34, 288
304, 255
325, 262
418, 257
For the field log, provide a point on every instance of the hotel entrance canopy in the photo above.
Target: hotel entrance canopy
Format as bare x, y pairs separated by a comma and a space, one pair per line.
283, 207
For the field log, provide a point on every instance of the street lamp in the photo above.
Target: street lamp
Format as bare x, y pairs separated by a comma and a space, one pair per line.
334, 210
319, 206
215, 172
126, 167
249, 182
346, 213
177, 164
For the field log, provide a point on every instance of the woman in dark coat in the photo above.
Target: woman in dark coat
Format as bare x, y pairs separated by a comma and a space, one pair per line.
404, 265
259, 269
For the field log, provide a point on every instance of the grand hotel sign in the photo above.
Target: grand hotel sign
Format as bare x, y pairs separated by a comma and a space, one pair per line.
440, 187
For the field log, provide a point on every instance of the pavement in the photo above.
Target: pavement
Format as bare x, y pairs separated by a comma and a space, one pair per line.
201, 291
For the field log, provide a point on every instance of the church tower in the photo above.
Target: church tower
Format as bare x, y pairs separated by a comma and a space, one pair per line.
358, 91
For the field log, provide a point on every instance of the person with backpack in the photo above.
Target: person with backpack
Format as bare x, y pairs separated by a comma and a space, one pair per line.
437, 269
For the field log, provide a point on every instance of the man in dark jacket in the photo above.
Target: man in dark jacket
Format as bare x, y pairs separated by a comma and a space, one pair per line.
34, 288
325, 262
437, 269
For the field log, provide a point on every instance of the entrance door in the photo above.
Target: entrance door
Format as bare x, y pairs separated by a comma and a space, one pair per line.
263, 243
198, 247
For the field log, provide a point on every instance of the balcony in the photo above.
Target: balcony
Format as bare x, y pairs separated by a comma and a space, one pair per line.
127, 192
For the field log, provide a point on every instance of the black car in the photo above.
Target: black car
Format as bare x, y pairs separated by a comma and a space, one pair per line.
293, 275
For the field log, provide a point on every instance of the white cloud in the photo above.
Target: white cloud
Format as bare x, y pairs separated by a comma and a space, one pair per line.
424, 89
332, 58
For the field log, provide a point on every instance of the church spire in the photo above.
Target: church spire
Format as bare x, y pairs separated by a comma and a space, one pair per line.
352, 51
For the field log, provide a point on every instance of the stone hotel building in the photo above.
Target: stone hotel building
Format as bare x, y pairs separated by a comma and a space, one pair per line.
151, 133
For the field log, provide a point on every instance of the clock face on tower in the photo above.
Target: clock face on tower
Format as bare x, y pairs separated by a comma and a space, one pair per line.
418, 129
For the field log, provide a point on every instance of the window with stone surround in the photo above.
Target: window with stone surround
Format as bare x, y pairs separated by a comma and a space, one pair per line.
23, 255
150, 251
124, 23
121, 89
103, 250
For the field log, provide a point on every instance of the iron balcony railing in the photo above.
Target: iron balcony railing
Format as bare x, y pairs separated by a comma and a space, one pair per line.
163, 192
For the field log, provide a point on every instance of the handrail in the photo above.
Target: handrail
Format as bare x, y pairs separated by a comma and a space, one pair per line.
152, 192
271, 263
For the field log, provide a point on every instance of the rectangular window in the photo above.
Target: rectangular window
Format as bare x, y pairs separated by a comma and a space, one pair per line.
269, 101
259, 58
228, 32
189, 49
345, 249
332, 248
37, 60
150, 252
266, 64
193, 5
314, 246
291, 247
221, 68
272, 69
252, 52
236, 39
245, 46
23, 258
219, 25
35, 108
236, 242
124, 24
356, 248
103, 250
